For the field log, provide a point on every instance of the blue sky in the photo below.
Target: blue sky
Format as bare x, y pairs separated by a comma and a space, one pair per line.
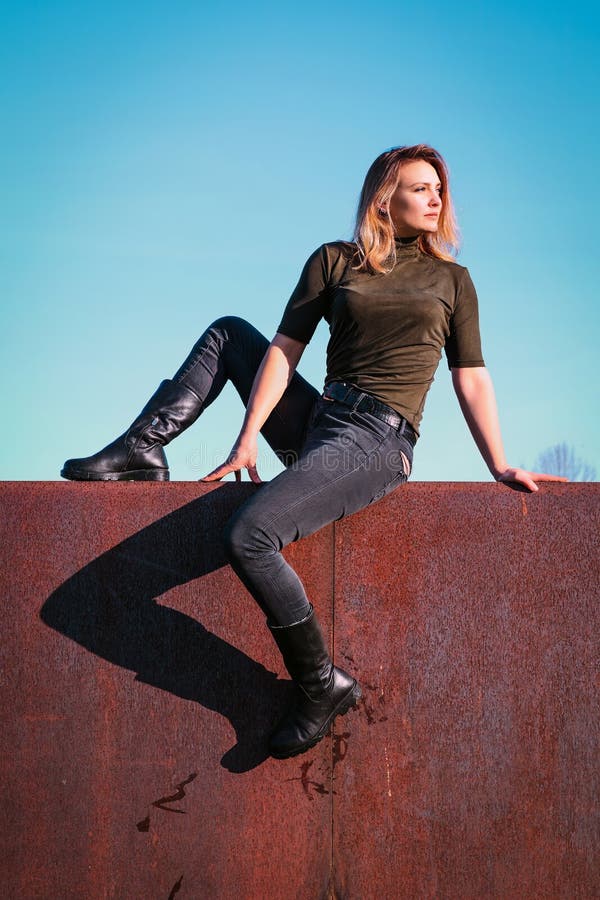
162, 164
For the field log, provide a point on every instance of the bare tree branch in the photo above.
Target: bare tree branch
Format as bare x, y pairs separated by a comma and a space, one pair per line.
562, 460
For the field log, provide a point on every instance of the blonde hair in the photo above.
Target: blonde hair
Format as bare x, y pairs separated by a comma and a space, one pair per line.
374, 229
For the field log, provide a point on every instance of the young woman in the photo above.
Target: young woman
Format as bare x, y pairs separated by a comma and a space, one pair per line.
394, 298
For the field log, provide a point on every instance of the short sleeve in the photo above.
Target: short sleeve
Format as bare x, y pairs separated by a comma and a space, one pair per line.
463, 345
308, 303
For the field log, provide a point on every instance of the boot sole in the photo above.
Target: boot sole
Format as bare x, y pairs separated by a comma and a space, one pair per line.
133, 475
346, 704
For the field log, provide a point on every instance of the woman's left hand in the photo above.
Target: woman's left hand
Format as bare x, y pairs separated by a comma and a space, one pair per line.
525, 478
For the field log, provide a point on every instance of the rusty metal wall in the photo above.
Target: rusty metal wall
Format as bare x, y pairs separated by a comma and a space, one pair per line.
471, 613
139, 682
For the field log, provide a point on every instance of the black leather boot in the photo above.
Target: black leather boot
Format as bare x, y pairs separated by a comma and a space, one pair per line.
323, 690
138, 455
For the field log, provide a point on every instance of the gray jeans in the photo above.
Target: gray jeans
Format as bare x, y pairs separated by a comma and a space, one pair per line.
338, 460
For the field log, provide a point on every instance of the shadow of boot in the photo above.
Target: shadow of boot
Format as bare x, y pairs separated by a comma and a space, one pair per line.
109, 607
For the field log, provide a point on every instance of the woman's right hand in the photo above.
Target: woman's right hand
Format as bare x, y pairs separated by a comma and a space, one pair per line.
243, 456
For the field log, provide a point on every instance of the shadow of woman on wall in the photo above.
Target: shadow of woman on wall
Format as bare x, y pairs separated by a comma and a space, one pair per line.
110, 608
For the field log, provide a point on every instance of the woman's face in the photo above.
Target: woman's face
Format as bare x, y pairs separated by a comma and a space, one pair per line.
416, 203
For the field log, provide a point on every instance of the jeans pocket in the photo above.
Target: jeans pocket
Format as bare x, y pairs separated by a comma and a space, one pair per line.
406, 464
395, 463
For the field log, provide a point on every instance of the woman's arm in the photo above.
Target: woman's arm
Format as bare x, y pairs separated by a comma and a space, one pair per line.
475, 393
273, 376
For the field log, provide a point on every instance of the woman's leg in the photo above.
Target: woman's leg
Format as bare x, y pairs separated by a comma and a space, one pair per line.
229, 349
349, 459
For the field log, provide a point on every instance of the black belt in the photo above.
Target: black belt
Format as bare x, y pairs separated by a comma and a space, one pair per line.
358, 400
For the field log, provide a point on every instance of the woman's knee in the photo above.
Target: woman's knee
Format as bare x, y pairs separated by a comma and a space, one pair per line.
243, 538
232, 539
231, 324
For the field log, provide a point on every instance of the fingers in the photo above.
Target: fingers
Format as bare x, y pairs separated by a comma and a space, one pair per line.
529, 484
518, 479
542, 476
217, 473
528, 479
254, 476
226, 468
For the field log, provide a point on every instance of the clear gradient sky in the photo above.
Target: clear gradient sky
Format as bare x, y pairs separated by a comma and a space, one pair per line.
165, 163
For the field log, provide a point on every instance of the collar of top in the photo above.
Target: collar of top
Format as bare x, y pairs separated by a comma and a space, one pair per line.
406, 246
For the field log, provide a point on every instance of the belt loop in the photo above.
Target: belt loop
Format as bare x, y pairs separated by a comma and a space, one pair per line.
348, 393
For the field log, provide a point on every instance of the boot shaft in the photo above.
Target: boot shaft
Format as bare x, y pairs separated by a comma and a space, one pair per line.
305, 654
172, 408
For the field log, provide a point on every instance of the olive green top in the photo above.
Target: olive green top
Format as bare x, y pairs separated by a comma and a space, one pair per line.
387, 331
